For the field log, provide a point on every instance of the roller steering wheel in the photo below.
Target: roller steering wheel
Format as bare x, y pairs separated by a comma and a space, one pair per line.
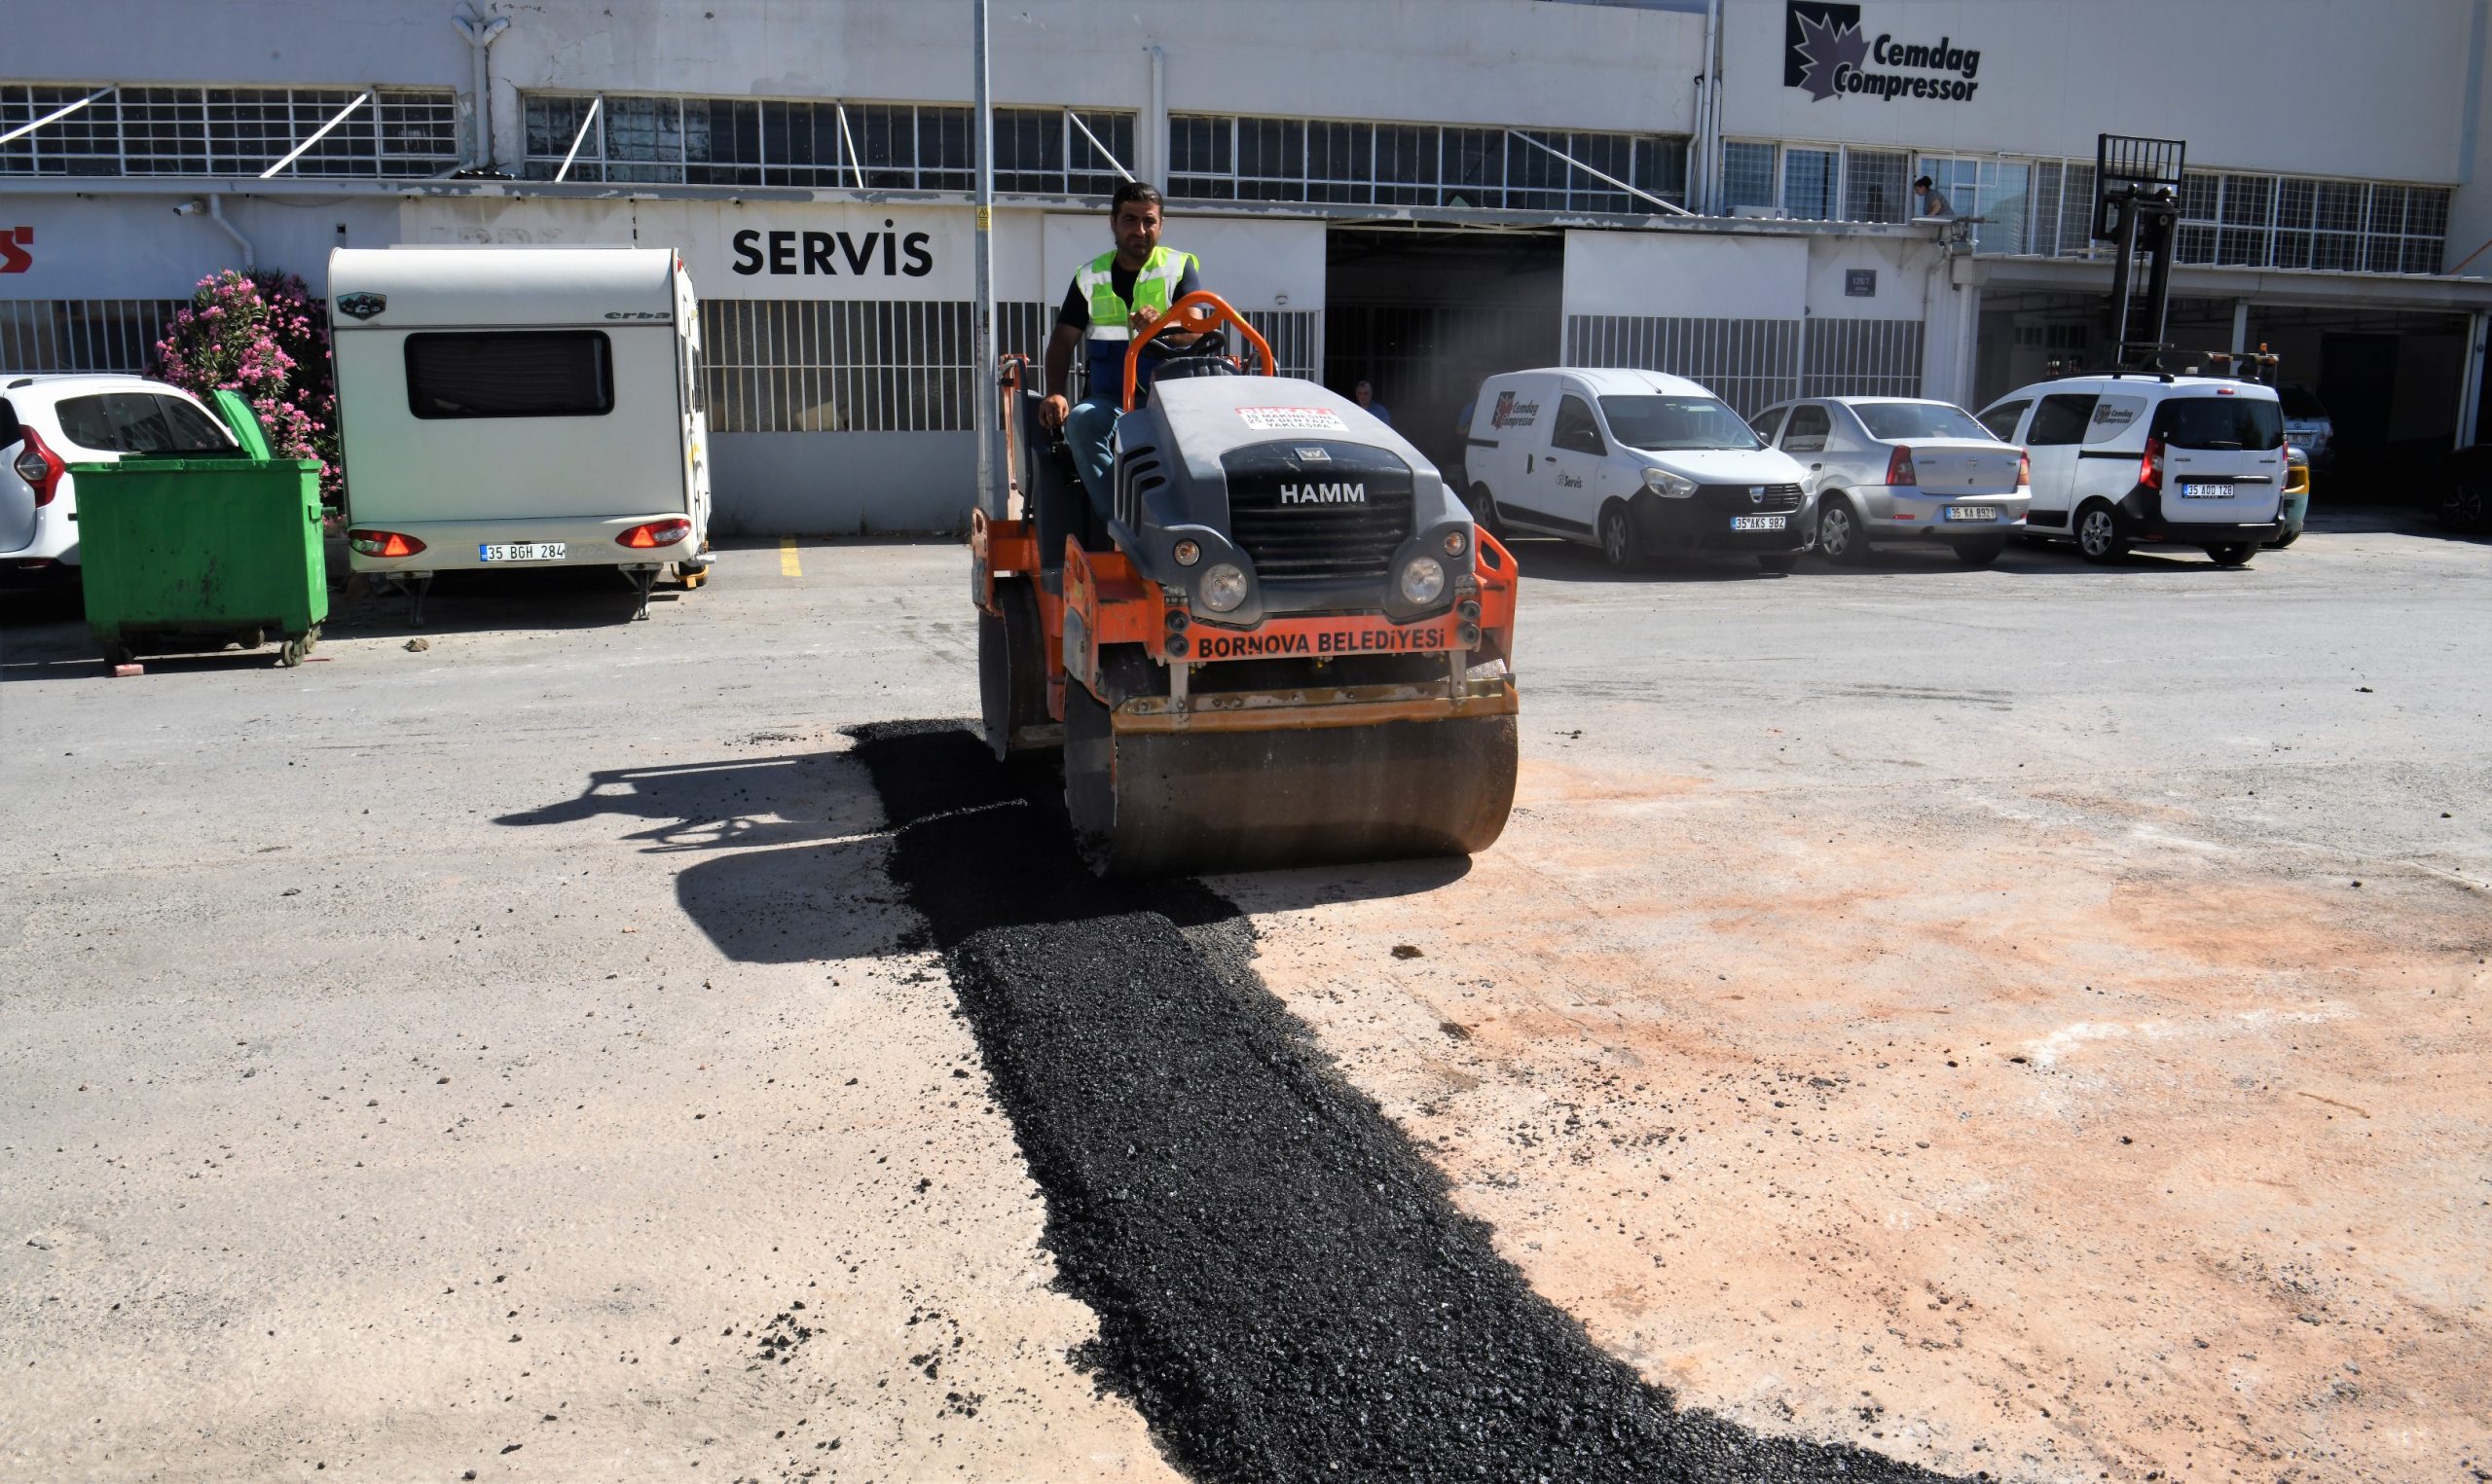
1199, 311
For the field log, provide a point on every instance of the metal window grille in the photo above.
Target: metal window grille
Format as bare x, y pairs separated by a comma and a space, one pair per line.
851, 366
39, 335
400, 134
1220, 158
1749, 363
1860, 358
1809, 181
2238, 219
1747, 175
742, 141
1876, 186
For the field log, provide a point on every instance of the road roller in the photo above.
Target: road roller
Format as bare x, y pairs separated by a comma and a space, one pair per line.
1288, 643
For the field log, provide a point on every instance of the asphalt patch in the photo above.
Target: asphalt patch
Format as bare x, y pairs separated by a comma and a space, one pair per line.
1283, 1284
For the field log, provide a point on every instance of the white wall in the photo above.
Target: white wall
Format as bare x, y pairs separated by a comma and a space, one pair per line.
2367, 89
1686, 274
1903, 277
841, 484
137, 248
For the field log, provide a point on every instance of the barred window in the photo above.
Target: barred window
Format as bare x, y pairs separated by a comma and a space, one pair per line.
1747, 175
1218, 158
1809, 181
84, 334
770, 142
2342, 226
398, 134
1876, 186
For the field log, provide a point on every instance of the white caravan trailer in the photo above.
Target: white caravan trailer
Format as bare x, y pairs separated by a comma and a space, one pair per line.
517, 406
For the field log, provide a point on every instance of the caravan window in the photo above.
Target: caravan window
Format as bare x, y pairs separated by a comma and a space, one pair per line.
510, 374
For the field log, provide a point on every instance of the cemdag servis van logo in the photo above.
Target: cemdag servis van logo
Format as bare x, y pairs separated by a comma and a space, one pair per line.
1826, 54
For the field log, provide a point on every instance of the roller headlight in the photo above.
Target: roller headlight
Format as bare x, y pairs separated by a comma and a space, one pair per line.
1223, 589
1422, 580
1187, 553
1456, 544
1668, 486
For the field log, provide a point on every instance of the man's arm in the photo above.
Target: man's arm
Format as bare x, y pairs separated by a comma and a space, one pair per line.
1059, 363
1072, 323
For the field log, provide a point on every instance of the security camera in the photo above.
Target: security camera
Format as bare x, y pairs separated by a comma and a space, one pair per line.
190, 208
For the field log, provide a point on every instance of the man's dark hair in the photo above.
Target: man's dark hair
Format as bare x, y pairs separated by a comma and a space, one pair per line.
1136, 191
1921, 183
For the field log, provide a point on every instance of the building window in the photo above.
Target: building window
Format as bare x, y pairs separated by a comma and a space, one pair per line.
402, 133
2232, 220
826, 145
1991, 188
1331, 161
1810, 178
1876, 187
1747, 175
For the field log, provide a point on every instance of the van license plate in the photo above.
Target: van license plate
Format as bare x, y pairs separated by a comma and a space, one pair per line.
2206, 491
524, 551
1757, 523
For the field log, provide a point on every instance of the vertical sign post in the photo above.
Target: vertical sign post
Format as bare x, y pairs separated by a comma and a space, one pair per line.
982, 356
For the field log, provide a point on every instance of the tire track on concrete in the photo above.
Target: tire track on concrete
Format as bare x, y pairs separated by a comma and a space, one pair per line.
1284, 1285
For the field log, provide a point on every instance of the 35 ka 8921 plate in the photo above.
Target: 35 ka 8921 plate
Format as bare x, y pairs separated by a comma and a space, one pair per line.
1972, 512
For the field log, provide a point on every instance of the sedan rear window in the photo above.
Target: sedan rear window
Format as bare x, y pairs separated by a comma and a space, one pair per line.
1893, 420
510, 374
2221, 423
140, 422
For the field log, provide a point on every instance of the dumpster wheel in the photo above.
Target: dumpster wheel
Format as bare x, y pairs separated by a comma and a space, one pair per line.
295, 650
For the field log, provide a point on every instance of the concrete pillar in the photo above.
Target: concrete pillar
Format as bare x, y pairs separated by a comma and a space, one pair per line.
2240, 325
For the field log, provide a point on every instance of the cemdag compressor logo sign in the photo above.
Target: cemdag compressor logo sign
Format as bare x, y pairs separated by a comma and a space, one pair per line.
1826, 54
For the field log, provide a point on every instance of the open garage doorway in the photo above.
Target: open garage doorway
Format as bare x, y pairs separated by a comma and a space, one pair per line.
1426, 313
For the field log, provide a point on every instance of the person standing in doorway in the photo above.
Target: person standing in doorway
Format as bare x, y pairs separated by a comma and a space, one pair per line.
1929, 200
1365, 394
1115, 297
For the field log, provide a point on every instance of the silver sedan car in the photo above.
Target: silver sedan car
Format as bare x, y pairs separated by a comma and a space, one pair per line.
1901, 469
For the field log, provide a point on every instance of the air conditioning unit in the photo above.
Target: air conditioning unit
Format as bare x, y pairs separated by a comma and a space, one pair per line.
1762, 213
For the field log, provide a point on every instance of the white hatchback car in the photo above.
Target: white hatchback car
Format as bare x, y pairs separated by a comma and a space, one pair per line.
1901, 469
49, 422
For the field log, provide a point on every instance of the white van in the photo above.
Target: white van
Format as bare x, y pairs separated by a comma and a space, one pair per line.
519, 406
2146, 456
1634, 461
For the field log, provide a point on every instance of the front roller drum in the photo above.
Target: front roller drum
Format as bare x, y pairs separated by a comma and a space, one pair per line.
1185, 803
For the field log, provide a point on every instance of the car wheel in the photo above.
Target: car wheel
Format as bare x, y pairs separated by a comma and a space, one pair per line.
2463, 508
2098, 534
1980, 553
1484, 511
1618, 545
1840, 535
2233, 553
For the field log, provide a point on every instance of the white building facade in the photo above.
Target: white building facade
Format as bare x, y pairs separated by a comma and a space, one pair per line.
1415, 192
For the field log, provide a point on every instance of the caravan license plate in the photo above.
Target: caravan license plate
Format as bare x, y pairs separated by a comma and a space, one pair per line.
1757, 523
524, 551
1972, 512
2206, 491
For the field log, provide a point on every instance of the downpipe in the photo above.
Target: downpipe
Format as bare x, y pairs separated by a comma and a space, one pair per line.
217, 214
480, 35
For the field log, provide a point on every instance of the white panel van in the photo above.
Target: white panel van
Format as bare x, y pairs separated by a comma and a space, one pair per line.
518, 406
1633, 461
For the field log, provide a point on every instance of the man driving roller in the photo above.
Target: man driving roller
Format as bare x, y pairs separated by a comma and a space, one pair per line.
1115, 297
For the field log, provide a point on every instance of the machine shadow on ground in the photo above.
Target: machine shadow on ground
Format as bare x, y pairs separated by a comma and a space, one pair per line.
1284, 1285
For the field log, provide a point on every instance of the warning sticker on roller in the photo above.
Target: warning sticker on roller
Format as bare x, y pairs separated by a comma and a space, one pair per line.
1292, 419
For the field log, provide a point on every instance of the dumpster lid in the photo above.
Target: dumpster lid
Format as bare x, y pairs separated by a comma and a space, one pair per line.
243, 421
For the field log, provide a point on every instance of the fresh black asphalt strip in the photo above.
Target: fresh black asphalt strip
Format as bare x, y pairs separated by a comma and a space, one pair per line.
1283, 1284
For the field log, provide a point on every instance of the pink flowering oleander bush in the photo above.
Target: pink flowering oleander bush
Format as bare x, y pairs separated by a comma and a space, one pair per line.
263, 336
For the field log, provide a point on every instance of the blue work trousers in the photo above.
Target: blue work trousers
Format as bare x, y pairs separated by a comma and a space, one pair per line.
1091, 433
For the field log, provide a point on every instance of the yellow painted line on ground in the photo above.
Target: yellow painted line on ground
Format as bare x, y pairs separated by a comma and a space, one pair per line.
789, 565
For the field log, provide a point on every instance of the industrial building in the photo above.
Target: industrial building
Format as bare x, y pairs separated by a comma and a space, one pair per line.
1415, 192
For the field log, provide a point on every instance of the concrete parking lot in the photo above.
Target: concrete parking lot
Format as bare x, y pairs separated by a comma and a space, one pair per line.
2027, 1021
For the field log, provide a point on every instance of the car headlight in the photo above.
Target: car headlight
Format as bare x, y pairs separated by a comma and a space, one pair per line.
1422, 580
1668, 486
1224, 588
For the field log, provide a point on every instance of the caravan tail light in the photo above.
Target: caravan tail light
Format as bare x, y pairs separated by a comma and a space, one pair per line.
384, 543
2150, 466
40, 468
1899, 469
655, 533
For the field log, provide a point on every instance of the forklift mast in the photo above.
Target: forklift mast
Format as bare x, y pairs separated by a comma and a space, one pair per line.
2137, 205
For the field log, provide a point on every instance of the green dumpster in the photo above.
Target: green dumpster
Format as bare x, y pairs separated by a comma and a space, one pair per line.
177, 550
